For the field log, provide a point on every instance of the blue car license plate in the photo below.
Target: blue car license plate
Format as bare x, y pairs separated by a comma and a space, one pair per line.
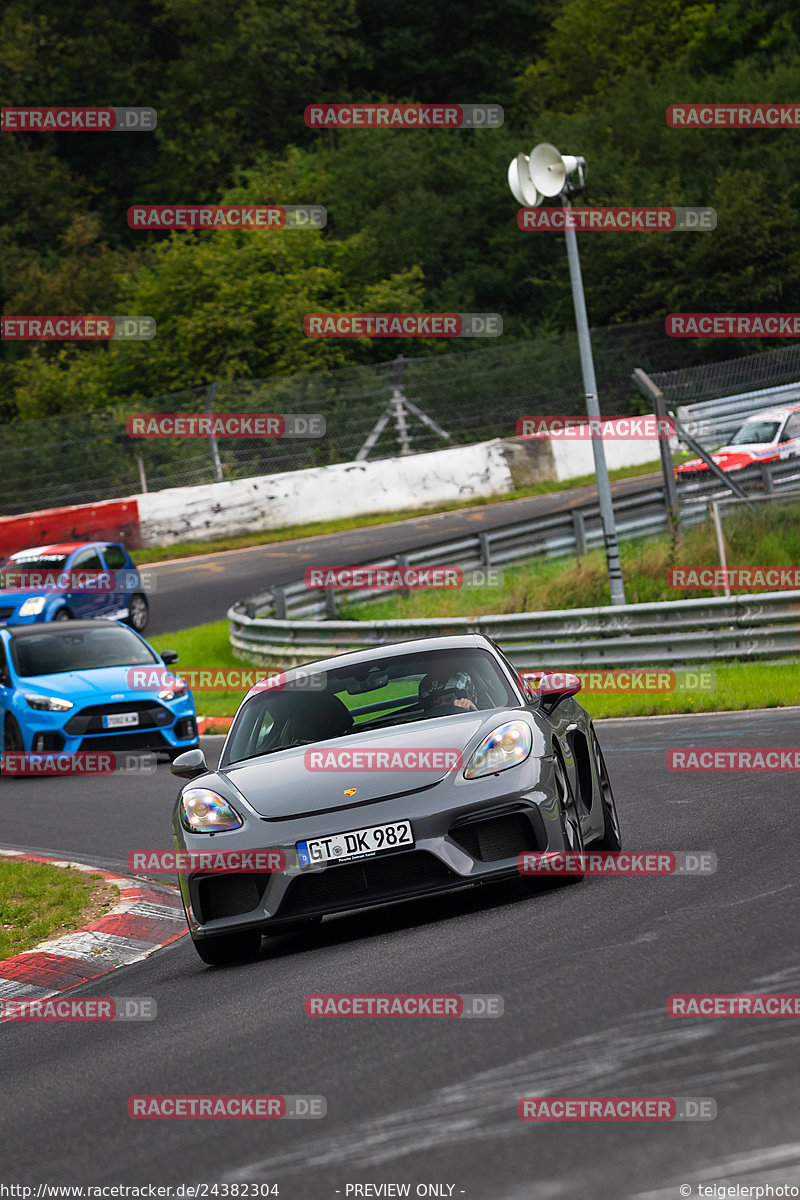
120, 720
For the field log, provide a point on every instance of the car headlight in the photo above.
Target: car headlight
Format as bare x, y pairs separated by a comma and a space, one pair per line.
204, 811
33, 606
176, 688
48, 703
505, 747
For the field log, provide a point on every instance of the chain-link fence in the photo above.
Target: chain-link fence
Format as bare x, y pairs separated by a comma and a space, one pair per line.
707, 381
471, 395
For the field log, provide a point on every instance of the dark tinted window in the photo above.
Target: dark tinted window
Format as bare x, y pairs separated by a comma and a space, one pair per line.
792, 429
87, 560
71, 649
759, 433
115, 558
368, 695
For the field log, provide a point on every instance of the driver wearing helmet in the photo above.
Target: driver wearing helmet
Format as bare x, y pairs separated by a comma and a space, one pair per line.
443, 689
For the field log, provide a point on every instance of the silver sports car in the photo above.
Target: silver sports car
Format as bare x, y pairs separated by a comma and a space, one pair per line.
382, 775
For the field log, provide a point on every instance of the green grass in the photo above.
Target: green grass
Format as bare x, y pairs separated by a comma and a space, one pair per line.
738, 686
38, 902
264, 537
761, 537
206, 648
766, 536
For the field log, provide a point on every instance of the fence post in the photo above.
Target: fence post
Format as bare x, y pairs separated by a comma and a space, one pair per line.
486, 550
212, 441
766, 476
279, 603
331, 609
579, 527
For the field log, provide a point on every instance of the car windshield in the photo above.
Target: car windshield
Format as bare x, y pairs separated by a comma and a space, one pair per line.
45, 563
373, 694
69, 649
755, 433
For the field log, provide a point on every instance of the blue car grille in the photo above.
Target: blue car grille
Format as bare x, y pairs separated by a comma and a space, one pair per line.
90, 720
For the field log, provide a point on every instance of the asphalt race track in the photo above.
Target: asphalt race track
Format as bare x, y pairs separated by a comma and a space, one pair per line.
211, 583
584, 972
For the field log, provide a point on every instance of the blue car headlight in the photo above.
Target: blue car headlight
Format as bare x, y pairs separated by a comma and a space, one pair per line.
48, 703
33, 606
505, 747
204, 811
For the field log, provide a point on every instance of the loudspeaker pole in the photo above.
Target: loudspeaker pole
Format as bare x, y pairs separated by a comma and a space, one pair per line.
615, 581
532, 178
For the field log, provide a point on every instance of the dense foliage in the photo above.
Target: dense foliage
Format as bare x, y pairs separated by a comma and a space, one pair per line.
417, 220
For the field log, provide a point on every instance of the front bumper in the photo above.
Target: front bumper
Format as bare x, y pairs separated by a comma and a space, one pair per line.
476, 842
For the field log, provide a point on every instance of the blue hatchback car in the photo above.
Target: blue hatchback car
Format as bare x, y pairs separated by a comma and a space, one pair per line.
72, 580
90, 686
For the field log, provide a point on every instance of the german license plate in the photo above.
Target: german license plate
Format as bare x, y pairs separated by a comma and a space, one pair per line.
120, 720
358, 843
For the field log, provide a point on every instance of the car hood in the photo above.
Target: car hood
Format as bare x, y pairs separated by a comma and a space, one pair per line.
281, 785
88, 686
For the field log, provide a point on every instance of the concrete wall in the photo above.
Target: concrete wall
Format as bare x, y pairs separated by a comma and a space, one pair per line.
323, 493
351, 489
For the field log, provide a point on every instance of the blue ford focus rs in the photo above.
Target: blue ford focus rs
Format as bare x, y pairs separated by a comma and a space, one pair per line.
80, 686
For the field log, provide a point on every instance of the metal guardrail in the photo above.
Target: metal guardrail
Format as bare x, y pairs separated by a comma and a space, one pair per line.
713, 422
760, 626
572, 533
292, 625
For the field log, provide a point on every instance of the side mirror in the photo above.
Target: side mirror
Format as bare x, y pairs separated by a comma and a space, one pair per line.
169, 656
555, 686
189, 764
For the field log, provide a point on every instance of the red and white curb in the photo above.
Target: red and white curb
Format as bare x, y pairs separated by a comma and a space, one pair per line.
147, 917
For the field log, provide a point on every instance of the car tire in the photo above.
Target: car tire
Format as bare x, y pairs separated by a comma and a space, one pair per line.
570, 819
229, 947
64, 614
138, 612
12, 736
611, 839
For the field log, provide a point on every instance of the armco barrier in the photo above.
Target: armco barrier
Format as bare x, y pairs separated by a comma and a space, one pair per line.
668, 633
574, 532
